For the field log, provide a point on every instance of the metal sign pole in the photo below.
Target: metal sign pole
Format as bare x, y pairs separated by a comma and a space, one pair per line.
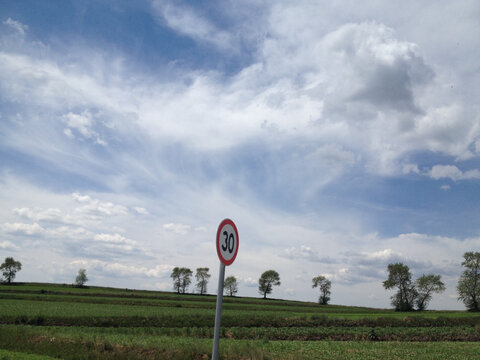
218, 313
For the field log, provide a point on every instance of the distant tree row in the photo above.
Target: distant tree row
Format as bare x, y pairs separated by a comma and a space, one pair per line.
417, 294
410, 294
182, 279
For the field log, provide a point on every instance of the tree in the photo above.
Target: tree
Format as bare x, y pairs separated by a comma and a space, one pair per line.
230, 285
202, 277
268, 279
186, 275
426, 285
10, 268
81, 278
324, 284
399, 276
176, 276
181, 279
468, 287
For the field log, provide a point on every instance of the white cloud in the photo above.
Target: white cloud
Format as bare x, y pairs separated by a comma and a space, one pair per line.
121, 270
452, 172
83, 124
115, 238
188, 22
141, 210
445, 187
306, 253
180, 229
22, 228
410, 168
7, 245
16, 25
248, 281
163, 286
39, 214
279, 98
96, 208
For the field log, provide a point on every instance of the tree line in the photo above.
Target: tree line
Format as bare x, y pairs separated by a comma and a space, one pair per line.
411, 295
182, 278
415, 295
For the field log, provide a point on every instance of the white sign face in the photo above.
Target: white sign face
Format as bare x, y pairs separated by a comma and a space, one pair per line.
227, 241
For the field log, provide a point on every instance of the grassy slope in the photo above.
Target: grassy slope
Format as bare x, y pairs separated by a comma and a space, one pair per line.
124, 323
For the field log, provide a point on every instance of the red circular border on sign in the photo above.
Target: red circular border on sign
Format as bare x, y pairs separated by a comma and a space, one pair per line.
222, 224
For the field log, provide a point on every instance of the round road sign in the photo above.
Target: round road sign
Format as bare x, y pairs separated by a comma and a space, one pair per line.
227, 241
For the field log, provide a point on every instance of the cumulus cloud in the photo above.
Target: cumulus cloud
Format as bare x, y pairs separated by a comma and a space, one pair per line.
83, 124
39, 214
95, 207
22, 229
452, 172
372, 109
7, 245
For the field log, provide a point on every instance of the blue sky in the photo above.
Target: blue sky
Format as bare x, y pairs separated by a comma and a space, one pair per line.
339, 137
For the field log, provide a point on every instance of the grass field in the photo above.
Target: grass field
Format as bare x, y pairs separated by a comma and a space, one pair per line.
43, 321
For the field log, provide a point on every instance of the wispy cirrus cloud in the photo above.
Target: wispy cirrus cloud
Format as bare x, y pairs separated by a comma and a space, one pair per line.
16, 25
188, 22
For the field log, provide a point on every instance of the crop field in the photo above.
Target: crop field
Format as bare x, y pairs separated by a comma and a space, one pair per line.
44, 321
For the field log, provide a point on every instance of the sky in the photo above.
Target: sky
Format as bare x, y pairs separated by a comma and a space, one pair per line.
339, 136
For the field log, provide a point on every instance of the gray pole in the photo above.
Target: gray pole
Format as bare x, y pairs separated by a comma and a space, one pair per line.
218, 313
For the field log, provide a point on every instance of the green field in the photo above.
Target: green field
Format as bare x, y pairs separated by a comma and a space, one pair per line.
43, 321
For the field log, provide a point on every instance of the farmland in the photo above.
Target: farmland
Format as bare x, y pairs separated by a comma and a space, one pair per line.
42, 321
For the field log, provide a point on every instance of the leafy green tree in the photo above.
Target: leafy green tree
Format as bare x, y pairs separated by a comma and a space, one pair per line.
10, 268
202, 277
426, 285
468, 286
267, 280
81, 278
176, 276
399, 277
324, 284
230, 286
181, 279
186, 279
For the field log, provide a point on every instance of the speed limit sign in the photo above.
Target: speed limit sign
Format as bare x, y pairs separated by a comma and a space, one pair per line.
227, 248
227, 241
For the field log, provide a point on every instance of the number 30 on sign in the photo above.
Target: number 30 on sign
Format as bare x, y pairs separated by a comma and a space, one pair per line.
227, 241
